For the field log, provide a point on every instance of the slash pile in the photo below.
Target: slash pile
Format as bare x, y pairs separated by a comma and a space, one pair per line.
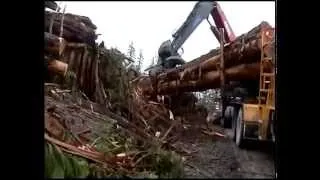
108, 145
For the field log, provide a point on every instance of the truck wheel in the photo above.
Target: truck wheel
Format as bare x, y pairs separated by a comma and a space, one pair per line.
239, 129
272, 126
234, 125
226, 121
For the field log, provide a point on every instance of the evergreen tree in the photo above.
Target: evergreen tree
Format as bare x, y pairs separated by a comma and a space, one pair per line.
132, 51
140, 60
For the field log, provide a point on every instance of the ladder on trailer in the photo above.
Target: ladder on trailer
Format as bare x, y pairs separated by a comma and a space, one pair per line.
267, 72
267, 81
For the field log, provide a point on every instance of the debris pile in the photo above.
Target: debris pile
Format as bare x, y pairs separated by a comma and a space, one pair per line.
108, 142
153, 117
167, 117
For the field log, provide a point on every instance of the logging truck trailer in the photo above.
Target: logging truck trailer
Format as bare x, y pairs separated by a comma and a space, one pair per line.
249, 109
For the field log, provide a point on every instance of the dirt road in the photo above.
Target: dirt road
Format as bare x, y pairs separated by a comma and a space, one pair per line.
221, 158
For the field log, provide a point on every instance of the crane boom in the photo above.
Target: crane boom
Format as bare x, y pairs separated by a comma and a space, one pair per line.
221, 21
200, 12
168, 51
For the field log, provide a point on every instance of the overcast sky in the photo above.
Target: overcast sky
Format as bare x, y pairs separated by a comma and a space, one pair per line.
148, 24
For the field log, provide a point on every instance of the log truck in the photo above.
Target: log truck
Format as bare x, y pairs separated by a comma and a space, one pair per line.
248, 106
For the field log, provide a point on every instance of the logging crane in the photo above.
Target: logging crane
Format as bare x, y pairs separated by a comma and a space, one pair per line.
168, 51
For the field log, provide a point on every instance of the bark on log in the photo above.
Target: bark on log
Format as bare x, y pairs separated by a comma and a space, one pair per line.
83, 67
211, 79
73, 19
99, 88
84, 61
75, 28
53, 44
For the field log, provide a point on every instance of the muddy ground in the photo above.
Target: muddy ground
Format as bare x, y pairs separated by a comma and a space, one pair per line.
218, 157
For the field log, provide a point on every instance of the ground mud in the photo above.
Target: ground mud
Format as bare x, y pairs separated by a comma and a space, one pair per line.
219, 157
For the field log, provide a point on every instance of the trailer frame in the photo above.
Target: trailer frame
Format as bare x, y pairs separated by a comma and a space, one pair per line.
254, 121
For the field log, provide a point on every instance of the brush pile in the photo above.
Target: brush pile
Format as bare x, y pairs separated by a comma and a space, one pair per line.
84, 139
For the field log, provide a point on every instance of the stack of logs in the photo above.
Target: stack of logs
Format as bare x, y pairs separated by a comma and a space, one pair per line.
77, 29
75, 51
241, 62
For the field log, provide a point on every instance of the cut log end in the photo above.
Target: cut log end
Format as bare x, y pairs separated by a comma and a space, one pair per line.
53, 44
58, 67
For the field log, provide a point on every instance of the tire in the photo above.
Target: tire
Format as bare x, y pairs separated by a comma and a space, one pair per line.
239, 129
234, 124
226, 121
272, 128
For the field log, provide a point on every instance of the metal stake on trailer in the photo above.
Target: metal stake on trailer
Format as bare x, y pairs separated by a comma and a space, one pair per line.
221, 70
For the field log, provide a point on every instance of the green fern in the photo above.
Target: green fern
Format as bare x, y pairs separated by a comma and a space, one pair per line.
167, 164
59, 165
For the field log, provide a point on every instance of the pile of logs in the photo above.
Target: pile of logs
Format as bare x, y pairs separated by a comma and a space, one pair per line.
53, 49
76, 51
241, 62
78, 29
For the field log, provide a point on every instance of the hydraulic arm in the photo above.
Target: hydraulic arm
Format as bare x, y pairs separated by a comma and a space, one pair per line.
168, 51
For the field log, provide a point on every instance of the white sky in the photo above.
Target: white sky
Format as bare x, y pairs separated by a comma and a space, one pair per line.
148, 24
